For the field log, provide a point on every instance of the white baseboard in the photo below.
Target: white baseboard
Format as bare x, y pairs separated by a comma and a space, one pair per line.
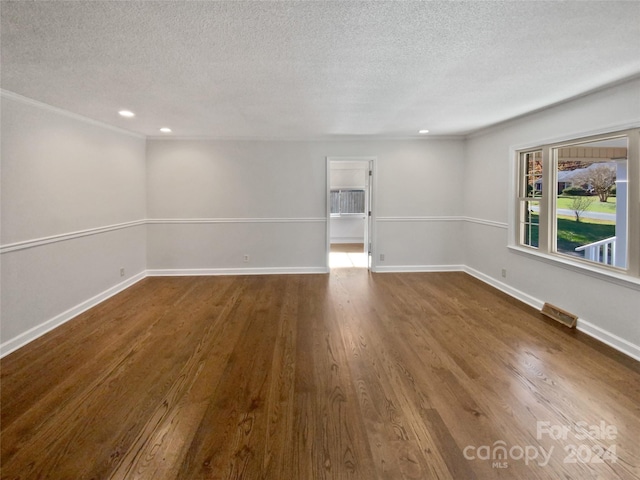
418, 268
503, 287
39, 330
598, 333
584, 326
610, 339
188, 272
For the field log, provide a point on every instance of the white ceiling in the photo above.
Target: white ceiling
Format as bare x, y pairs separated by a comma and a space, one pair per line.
311, 69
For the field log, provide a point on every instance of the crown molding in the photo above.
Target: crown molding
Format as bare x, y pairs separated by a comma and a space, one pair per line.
310, 138
60, 111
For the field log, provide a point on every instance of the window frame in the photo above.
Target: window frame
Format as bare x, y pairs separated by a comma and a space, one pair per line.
546, 249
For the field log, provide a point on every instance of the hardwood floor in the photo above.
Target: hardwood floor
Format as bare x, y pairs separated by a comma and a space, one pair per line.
347, 247
344, 376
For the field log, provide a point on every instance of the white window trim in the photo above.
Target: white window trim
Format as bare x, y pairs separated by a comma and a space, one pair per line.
629, 278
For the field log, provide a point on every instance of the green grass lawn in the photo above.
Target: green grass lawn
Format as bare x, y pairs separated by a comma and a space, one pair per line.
596, 206
572, 234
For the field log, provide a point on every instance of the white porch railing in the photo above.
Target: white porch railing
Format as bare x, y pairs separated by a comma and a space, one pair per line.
603, 251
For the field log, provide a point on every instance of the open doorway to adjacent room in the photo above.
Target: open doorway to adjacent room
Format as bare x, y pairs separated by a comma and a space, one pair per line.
349, 206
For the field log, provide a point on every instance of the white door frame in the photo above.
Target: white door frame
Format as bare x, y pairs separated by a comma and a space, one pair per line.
370, 232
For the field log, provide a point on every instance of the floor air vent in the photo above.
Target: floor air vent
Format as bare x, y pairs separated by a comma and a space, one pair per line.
562, 316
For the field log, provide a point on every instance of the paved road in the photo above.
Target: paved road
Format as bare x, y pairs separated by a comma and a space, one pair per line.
595, 215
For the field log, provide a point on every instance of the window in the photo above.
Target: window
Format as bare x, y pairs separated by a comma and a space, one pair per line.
529, 197
346, 202
591, 211
578, 200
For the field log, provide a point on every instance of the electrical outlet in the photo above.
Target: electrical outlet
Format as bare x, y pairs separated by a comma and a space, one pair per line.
122, 272
504, 273
245, 258
382, 257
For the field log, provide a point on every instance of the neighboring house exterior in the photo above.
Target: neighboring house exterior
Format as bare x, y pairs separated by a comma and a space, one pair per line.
565, 180
568, 178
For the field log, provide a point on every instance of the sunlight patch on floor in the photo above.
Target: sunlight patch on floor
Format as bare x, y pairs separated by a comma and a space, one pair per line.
347, 260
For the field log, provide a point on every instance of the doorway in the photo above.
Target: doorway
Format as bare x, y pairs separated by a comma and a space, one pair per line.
350, 212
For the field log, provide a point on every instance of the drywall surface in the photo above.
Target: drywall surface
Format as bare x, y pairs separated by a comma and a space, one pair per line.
202, 190
73, 208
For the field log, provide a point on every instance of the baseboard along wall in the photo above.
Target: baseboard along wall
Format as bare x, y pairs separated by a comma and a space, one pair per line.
583, 325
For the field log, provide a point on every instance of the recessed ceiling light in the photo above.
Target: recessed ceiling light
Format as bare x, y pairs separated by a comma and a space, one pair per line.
165, 130
126, 113
423, 131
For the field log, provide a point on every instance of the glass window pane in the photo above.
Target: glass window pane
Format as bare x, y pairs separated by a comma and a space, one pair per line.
352, 201
529, 224
591, 201
531, 184
335, 201
347, 201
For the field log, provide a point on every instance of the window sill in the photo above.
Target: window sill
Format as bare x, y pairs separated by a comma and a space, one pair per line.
594, 271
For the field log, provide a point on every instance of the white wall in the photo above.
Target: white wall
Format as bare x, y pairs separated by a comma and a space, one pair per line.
211, 202
347, 229
72, 210
607, 309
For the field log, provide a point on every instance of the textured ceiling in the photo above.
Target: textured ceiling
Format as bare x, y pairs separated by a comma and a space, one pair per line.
311, 69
